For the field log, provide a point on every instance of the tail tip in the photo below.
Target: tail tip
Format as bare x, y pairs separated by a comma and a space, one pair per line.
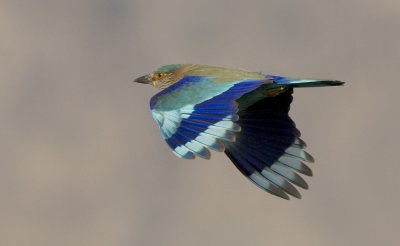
334, 82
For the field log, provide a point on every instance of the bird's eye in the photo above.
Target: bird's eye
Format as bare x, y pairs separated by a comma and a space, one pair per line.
158, 76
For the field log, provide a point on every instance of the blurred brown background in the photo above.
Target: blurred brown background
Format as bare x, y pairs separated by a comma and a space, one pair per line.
83, 163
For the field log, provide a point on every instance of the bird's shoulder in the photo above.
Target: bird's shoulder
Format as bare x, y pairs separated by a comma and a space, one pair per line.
190, 90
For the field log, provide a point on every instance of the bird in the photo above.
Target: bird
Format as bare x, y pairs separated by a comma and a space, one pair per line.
241, 113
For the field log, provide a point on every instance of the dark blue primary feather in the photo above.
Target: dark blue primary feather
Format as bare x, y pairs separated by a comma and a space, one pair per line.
267, 135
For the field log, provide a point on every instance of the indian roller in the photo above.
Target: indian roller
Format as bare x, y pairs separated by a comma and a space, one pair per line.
242, 113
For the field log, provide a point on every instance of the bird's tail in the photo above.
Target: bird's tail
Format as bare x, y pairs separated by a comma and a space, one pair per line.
294, 82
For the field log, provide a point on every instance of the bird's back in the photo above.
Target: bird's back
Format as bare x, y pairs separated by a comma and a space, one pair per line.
220, 74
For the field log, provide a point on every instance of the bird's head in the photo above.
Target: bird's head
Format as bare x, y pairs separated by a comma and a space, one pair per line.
162, 77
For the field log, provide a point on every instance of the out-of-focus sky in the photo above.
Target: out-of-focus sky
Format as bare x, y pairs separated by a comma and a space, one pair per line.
83, 163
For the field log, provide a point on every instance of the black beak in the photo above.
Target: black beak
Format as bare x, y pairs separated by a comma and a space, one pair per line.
143, 80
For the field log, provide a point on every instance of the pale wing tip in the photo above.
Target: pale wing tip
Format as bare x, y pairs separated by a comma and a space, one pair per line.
267, 185
184, 155
281, 182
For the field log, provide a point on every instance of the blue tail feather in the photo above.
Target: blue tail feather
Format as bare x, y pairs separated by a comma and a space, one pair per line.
295, 82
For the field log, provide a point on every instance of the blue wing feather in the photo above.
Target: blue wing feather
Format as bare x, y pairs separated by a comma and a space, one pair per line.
195, 109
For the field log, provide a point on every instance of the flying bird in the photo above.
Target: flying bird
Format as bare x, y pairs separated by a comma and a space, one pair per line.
243, 113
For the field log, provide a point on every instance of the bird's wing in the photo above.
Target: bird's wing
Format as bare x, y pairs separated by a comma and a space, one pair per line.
196, 113
268, 149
